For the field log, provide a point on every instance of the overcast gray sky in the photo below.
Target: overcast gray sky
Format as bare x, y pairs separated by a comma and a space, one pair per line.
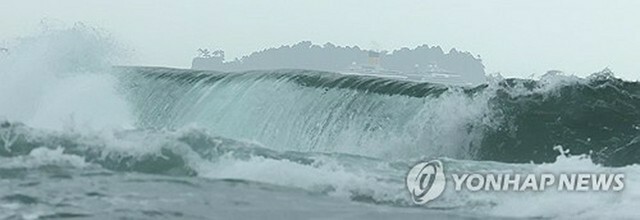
514, 37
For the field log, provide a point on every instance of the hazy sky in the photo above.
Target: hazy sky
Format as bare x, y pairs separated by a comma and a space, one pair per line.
514, 37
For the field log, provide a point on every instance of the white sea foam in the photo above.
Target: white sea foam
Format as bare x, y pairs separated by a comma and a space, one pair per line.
57, 76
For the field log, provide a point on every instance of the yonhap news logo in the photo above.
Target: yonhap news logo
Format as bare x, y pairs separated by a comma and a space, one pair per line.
426, 181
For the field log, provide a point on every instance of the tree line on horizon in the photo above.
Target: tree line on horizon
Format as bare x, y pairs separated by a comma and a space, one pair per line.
329, 57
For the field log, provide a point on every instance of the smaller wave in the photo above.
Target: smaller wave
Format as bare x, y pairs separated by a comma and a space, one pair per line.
598, 115
195, 152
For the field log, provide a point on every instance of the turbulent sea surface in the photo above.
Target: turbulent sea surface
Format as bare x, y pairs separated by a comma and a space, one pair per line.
80, 138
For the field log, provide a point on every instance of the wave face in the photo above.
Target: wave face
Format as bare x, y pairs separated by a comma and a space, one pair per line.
312, 111
509, 120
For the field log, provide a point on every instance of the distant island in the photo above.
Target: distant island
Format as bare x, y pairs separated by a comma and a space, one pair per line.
423, 61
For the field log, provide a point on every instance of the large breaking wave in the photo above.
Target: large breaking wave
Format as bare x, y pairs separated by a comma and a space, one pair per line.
511, 120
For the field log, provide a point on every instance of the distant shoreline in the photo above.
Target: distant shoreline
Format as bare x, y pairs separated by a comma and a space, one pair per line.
329, 57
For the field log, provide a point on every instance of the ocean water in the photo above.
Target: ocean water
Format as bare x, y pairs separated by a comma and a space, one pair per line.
82, 138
